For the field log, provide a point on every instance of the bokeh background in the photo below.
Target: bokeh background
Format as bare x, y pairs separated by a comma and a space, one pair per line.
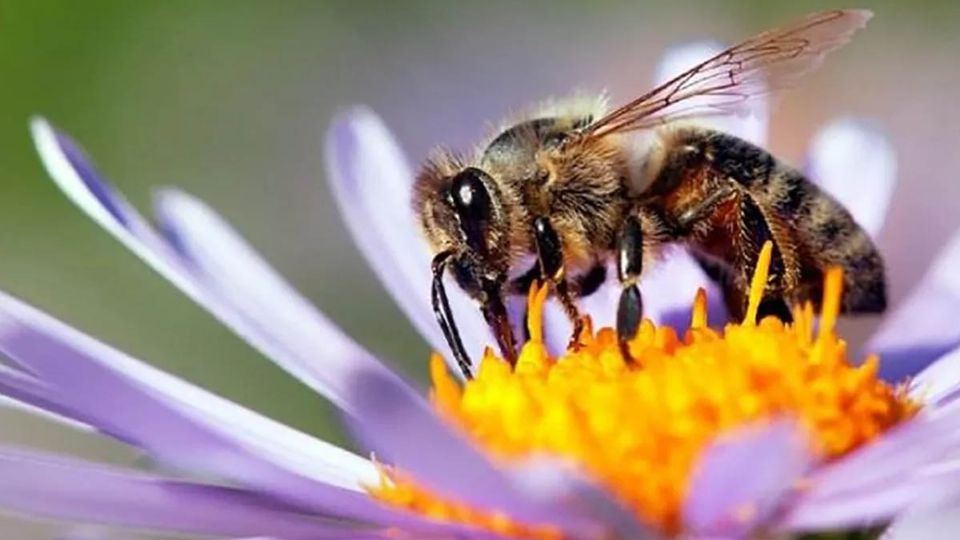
230, 100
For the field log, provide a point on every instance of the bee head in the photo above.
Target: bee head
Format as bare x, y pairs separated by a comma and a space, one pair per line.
474, 201
461, 211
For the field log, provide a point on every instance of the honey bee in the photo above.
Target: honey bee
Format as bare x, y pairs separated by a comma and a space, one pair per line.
555, 197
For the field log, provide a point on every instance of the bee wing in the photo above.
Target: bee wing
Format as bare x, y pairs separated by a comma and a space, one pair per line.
727, 82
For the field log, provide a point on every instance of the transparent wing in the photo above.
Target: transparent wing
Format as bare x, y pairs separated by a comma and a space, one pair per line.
725, 84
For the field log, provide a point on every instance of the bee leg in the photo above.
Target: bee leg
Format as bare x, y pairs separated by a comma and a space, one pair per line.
550, 259
629, 266
735, 281
703, 209
444, 315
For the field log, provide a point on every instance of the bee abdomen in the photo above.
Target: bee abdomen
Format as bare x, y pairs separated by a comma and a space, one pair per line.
832, 237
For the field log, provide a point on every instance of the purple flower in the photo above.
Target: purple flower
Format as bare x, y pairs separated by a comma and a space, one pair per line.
226, 471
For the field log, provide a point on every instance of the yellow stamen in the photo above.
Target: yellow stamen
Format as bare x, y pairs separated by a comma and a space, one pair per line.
698, 319
759, 283
639, 428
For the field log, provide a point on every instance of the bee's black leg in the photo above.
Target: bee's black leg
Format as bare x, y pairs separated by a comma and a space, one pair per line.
550, 258
441, 309
629, 266
584, 285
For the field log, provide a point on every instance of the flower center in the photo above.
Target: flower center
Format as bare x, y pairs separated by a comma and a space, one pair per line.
639, 427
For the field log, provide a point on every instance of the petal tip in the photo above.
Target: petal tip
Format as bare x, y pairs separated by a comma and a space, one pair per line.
838, 161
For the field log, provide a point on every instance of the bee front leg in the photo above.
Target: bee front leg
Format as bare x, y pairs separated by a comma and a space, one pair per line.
629, 267
550, 260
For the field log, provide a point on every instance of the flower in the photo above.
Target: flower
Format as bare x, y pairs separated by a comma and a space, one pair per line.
228, 471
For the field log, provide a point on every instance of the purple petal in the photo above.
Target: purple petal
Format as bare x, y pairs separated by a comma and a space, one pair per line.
177, 423
229, 280
670, 287
564, 486
923, 328
876, 505
855, 163
751, 125
939, 383
937, 521
749, 470
213, 266
406, 433
372, 183
305, 342
71, 489
912, 462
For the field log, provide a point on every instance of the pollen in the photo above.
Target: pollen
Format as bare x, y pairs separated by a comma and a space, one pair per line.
638, 427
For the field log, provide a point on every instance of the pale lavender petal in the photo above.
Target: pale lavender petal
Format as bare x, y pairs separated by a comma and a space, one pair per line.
939, 383
875, 505
924, 326
373, 183
855, 163
564, 486
71, 489
313, 348
177, 423
33, 410
229, 280
892, 461
670, 287
751, 125
939, 520
206, 259
743, 478
405, 432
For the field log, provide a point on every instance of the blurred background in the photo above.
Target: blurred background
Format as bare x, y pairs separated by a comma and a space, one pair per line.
230, 101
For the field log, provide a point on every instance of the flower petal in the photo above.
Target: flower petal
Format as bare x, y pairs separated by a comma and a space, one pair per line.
209, 262
742, 478
408, 434
876, 505
923, 327
908, 464
939, 383
372, 183
226, 268
71, 489
678, 59
855, 163
175, 422
937, 521
564, 486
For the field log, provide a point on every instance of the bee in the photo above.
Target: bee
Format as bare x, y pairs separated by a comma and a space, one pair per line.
556, 197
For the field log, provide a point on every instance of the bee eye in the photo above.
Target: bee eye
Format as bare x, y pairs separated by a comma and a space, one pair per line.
472, 202
470, 195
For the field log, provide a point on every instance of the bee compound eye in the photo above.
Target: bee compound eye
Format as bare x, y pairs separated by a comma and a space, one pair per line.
474, 207
470, 195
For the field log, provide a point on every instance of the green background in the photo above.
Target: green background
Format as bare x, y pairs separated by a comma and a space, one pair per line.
230, 100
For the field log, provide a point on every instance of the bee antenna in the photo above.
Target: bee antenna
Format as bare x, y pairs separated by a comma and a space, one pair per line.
444, 315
